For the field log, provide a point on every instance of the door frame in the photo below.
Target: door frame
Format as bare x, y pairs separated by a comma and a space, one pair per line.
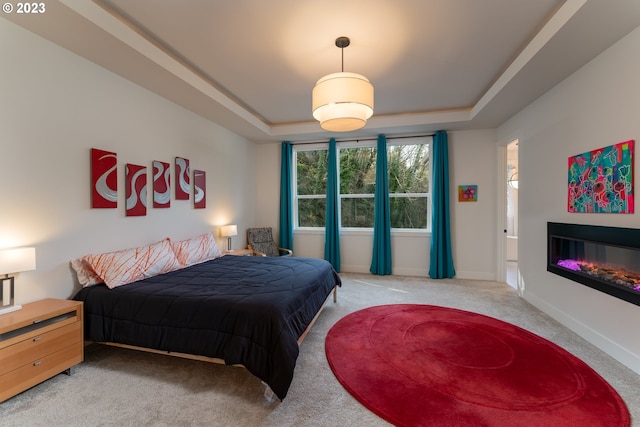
501, 217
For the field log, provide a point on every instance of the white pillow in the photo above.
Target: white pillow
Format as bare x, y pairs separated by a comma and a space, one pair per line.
86, 275
129, 265
196, 249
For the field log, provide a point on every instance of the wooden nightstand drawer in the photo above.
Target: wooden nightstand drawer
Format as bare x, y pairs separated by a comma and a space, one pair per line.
43, 339
37, 371
39, 346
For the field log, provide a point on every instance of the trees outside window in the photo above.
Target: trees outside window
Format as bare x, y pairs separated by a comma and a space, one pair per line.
409, 173
311, 187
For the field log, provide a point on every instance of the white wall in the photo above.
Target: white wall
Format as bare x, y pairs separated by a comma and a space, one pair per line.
472, 157
595, 107
472, 161
56, 106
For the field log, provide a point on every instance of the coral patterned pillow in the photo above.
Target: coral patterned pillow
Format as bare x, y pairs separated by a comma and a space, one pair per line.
128, 265
196, 249
86, 275
162, 260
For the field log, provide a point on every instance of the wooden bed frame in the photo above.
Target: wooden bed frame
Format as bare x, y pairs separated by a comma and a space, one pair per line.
268, 393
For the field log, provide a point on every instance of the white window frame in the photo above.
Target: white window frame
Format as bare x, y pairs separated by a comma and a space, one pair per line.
356, 144
294, 177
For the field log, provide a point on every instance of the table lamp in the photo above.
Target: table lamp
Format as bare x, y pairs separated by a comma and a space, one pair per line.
228, 231
13, 261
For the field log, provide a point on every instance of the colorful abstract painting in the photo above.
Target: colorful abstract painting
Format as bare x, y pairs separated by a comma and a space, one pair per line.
136, 191
183, 185
467, 193
104, 179
199, 189
601, 181
161, 184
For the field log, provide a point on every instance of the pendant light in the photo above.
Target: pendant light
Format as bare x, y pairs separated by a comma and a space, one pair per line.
342, 102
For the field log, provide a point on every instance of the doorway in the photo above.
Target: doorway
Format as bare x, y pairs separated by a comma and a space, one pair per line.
511, 215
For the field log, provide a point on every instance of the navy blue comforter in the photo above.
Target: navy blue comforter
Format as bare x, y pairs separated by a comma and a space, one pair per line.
244, 310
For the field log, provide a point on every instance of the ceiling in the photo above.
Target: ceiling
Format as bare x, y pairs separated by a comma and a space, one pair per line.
250, 65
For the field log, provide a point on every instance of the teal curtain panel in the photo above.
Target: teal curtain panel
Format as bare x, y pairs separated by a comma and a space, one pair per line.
332, 226
381, 257
286, 196
441, 259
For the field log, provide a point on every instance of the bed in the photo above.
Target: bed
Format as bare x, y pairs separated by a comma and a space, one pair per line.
242, 310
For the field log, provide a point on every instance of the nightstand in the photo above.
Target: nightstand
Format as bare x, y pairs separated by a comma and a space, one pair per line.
38, 342
239, 252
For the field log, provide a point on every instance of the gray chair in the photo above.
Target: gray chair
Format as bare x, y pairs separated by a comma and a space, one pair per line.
260, 241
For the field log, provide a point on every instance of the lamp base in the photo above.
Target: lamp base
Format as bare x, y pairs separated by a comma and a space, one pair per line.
9, 309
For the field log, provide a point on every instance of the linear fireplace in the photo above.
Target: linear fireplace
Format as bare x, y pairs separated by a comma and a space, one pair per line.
604, 258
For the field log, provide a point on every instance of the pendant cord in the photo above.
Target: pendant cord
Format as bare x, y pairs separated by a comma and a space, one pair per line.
342, 42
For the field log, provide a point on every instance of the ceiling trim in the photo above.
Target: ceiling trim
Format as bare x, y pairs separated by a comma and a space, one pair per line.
124, 31
382, 122
548, 31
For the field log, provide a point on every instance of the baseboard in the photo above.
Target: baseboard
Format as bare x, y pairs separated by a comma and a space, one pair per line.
416, 272
475, 275
621, 354
353, 268
396, 271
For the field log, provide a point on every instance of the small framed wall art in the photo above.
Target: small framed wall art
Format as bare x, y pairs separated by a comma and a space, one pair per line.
467, 193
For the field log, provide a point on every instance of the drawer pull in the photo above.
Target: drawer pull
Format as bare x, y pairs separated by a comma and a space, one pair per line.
37, 321
36, 339
37, 363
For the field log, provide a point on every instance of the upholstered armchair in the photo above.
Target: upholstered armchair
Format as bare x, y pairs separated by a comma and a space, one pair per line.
260, 241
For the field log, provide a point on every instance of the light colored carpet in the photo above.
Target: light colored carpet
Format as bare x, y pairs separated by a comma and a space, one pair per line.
119, 387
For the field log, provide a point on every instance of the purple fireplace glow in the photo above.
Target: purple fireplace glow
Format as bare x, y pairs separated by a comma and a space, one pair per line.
603, 258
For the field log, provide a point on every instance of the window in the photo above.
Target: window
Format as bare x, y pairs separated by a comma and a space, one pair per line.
311, 187
409, 172
357, 186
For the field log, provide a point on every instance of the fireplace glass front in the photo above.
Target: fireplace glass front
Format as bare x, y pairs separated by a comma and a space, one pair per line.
604, 258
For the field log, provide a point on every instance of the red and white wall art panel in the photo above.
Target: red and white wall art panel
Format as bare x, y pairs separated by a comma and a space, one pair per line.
104, 179
199, 189
161, 184
183, 184
136, 192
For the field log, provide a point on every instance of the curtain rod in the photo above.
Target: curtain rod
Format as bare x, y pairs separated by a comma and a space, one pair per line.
364, 139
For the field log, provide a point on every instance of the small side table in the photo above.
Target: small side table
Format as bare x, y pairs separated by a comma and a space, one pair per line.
38, 342
239, 252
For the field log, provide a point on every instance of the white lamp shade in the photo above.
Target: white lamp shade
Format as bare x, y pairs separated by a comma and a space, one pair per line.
342, 102
229, 230
17, 260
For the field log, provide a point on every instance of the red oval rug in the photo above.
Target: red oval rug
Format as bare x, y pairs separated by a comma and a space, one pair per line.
423, 365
